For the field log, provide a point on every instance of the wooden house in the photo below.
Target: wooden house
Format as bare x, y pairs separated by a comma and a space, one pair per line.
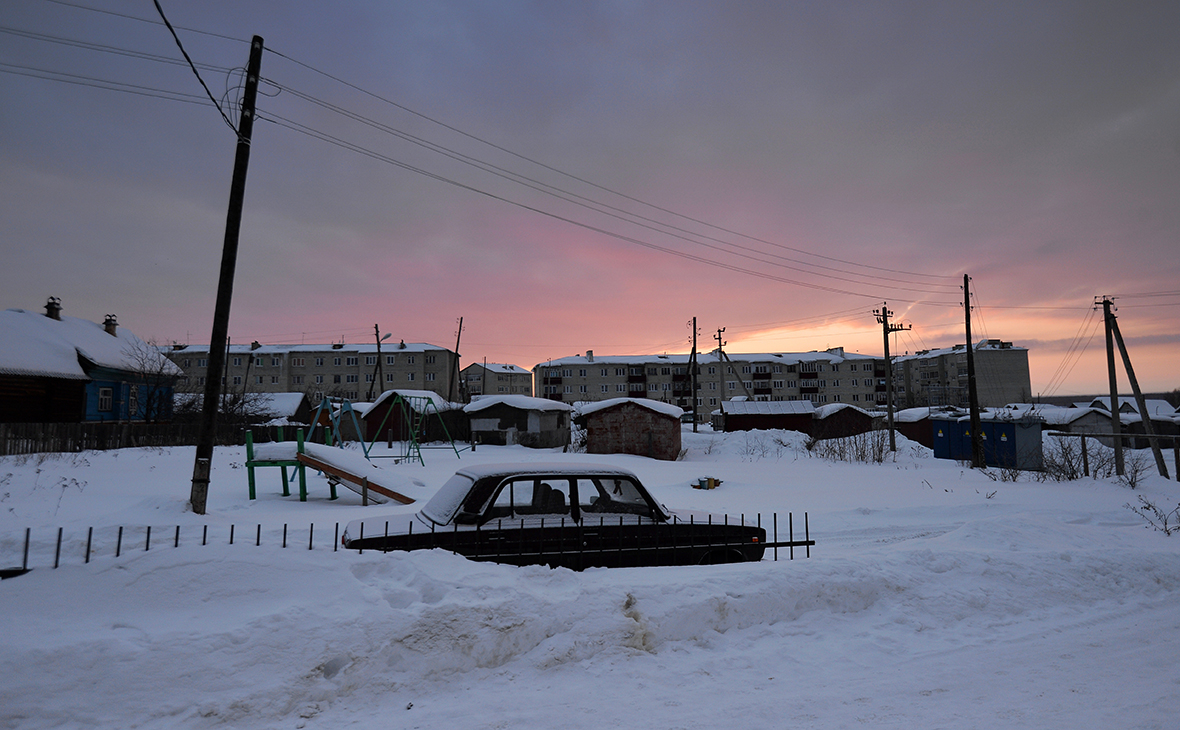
519, 419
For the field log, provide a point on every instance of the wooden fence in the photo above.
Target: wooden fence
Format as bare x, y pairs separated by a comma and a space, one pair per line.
34, 438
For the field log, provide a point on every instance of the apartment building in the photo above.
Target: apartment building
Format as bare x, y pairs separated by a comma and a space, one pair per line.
939, 377
831, 376
495, 379
356, 372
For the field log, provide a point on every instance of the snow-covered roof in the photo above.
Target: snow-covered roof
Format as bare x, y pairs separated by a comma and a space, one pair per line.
500, 368
828, 409
280, 405
523, 402
34, 344
666, 409
1128, 404
320, 349
764, 407
436, 400
939, 352
833, 355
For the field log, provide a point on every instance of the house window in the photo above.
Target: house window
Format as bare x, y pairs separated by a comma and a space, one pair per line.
133, 402
106, 399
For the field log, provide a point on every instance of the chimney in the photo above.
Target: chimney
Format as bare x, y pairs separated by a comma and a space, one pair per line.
589, 355
255, 345
401, 345
53, 308
111, 325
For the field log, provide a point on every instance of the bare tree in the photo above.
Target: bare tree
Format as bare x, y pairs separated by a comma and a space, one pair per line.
157, 377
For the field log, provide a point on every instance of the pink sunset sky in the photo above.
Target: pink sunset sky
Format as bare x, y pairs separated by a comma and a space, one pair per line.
591, 176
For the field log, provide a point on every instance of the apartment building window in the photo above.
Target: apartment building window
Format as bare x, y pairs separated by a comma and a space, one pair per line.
745, 369
712, 401
566, 389
351, 379
777, 384
319, 362
653, 371
368, 377
823, 383
352, 361
712, 385
297, 362
203, 362
731, 384
336, 361
835, 399
855, 397
370, 359
430, 377
274, 380
667, 386
185, 362
761, 369
389, 377
835, 382
620, 387
259, 362
620, 371
665, 371
391, 359
319, 380
258, 380
351, 394
430, 359
409, 376
409, 359
566, 373
604, 371
729, 369
237, 362
854, 383
335, 379
106, 400
636, 371
582, 373
275, 362
712, 370
319, 396
778, 368
582, 389
201, 380
606, 389
653, 387
747, 384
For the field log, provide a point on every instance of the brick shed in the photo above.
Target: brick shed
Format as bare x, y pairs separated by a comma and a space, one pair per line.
633, 426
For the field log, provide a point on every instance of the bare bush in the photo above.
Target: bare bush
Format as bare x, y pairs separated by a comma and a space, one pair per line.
1159, 518
1135, 467
864, 448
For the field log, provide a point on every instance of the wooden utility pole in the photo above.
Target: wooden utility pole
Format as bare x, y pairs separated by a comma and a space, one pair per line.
1148, 428
1115, 422
455, 367
379, 371
720, 370
225, 286
978, 461
883, 314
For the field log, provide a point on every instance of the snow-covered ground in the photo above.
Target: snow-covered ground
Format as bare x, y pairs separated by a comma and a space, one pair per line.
934, 598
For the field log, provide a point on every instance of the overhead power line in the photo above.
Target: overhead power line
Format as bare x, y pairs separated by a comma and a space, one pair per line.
195, 71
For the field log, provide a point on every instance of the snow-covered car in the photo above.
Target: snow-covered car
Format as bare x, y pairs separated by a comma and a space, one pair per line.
571, 515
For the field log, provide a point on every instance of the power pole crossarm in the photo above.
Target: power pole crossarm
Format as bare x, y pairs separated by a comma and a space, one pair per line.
883, 314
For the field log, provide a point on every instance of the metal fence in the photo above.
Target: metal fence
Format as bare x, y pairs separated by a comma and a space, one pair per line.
53, 547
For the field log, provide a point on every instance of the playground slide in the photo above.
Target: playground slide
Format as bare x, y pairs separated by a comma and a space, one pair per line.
352, 469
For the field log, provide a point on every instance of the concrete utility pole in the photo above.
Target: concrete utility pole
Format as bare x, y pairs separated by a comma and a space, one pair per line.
883, 314
1115, 422
455, 366
225, 286
720, 370
978, 460
692, 369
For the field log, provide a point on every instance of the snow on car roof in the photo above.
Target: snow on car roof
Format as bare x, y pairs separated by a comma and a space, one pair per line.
445, 503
